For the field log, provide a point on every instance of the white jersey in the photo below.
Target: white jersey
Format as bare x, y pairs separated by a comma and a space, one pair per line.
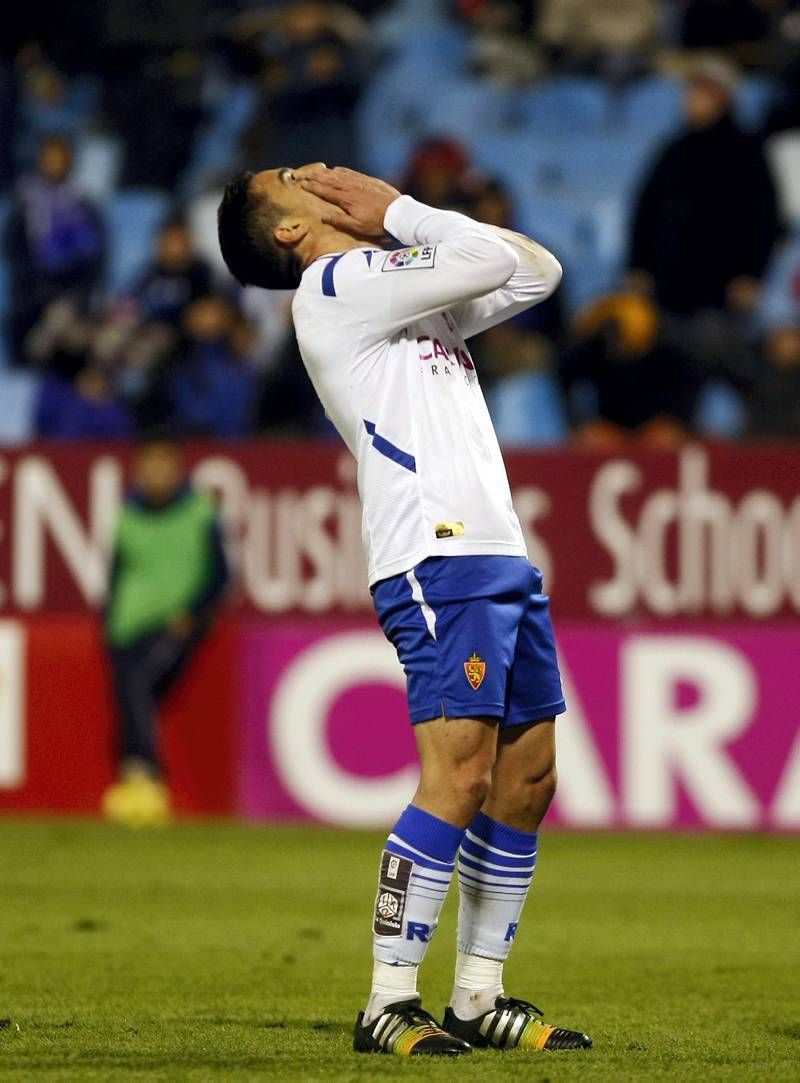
382, 337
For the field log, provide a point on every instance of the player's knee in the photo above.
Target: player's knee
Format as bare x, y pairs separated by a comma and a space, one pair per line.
472, 783
465, 783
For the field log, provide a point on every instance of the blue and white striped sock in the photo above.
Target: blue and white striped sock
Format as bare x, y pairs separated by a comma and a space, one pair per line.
417, 866
496, 864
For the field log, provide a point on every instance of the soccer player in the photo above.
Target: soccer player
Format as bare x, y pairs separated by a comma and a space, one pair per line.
382, 333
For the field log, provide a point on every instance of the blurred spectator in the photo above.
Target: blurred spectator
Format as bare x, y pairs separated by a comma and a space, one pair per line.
436, 174
76, 398
724, 24
775, 401
707, 217
153, 101
625, 380
311, 63
53, 241
49, 101
83, 408
176, 276
615, 37
168, 576
504, 48
212, 390
286, 402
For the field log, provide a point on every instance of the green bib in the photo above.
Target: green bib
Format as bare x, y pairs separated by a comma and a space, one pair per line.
163, 564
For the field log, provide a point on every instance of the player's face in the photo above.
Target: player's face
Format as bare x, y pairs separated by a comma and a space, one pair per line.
282, 186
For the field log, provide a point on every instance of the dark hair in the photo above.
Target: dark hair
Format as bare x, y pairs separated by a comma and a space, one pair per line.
156, 435
246, 239
174, 220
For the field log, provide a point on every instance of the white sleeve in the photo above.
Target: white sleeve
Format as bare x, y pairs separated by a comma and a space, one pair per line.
450, 260
537, 276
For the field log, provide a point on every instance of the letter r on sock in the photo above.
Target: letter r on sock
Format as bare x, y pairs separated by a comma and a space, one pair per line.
511, 931
419, 931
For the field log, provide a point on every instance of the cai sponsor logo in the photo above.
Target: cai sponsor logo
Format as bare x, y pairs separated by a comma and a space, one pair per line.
423, 255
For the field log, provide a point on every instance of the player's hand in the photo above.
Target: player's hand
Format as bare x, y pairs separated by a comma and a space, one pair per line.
358, 202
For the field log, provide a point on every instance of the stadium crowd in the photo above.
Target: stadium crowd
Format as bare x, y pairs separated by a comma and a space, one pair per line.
653, 145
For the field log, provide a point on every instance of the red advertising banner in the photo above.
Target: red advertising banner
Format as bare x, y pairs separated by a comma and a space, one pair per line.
705, 533
56, 720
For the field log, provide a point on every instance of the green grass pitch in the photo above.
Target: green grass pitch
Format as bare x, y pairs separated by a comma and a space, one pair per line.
213, 951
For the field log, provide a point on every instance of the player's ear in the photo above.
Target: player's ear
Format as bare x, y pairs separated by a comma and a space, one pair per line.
290, 231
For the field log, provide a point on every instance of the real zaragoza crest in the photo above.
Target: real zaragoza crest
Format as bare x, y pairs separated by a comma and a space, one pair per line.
475, 669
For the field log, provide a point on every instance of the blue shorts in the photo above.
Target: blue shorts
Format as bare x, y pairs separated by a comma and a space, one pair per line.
475, 639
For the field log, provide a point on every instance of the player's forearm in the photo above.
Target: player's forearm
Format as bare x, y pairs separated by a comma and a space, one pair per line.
538, 273
482, 251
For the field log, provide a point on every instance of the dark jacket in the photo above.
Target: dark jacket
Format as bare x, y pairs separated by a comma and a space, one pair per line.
775, 406
707, 214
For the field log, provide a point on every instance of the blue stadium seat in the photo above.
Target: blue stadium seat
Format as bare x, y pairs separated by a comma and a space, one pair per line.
17, 403
216, 144
591, 165
754, 97
392, 116
588, 238
521, 162
132, 218
528, 411
778, 306
653, 105
439, 45
565, 105
471, 110
720, 412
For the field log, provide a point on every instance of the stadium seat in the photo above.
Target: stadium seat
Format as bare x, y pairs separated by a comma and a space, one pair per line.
754, 96
392, 116
521, 162
528, 411
470, 110
398, 20
588, 238
778, 305
720, 412
564, 105
132, 218
217, 142
98, 161
440, 45
652, 106
70, 115
594, 165
17, 402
